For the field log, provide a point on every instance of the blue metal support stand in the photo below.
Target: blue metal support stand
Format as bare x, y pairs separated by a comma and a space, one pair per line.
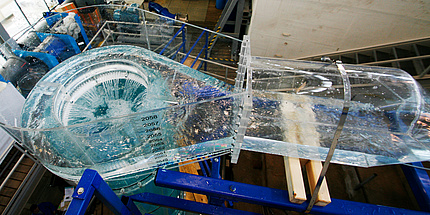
215, 173
419, 182
92, 183
184, 205
205, 168
264, 196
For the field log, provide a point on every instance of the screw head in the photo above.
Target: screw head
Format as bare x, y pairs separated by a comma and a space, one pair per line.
216, 159
80, 190
232, 188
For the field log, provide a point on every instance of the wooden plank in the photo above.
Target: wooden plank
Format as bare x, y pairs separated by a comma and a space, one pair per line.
7, 191
107, 211
23, 168
19, 176
189, 61
293, 169
99, 210
295, 184
342, 181
4, 200
12, 183
389, 187
313, 170
27, 161
192, 168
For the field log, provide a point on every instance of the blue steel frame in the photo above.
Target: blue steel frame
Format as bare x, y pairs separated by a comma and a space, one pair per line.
92, 184
182, 46
419, 182
192, 47
263, 196
174, 36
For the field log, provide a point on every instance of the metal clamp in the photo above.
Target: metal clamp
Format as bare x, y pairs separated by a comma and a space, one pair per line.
346, 105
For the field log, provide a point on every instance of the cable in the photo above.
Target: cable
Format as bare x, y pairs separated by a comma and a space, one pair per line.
418, 167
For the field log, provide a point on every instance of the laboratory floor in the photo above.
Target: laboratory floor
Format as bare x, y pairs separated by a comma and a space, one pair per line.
385, 185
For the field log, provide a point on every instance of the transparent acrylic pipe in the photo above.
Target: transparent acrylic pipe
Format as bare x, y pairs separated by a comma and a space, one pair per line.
300, 104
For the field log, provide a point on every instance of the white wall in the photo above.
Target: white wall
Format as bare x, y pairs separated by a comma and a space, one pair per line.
317, 27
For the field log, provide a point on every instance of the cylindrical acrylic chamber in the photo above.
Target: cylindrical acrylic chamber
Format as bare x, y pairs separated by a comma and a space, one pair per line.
124, 111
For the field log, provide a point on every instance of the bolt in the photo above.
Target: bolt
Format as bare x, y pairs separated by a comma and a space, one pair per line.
216, 159
232, 188
80, 190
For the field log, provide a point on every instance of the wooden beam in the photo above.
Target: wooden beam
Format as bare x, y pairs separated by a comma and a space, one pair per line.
313, 170
295, 185
189, 61
192, 168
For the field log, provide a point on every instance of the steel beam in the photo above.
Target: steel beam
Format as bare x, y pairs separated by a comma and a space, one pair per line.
185, 205
91, 183
419, 182
264, 196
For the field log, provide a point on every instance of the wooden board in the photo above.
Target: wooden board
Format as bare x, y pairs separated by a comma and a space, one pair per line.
192, 168
295, 184
313, 170
189, 61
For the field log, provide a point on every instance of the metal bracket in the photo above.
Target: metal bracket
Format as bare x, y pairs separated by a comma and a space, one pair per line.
346, 105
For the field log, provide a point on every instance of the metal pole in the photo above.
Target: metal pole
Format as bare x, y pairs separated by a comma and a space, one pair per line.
226, 74
171, 40
146, 31
95, 36
206, 50
184, 40
424, 72
22, 13
49, 9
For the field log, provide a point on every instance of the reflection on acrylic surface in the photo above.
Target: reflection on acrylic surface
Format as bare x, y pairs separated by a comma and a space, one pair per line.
298, 104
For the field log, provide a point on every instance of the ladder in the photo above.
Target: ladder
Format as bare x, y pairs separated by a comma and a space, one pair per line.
19, 176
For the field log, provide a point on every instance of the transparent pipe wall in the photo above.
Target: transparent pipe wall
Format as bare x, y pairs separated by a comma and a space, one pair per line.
297, 106
124, 110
